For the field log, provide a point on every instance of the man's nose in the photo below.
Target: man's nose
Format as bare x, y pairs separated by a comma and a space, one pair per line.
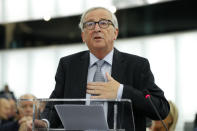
97, 27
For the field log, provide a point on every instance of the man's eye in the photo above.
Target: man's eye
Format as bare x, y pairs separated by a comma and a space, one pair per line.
90, 24
103, 22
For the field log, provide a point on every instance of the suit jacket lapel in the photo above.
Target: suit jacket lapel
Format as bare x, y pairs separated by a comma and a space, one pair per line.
81, 77
118, 70
118, 73
118, 66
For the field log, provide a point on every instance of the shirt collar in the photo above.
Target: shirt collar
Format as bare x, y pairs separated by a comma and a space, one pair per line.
108, 58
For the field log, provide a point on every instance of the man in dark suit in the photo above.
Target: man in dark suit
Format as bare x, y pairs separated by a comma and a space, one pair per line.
126, 76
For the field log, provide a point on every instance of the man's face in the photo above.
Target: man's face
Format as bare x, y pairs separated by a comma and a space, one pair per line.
99, 39
5, 109
13, 108
27, 108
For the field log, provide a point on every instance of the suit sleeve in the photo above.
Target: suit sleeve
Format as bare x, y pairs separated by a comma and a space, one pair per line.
60, 81
143, 80
49, 112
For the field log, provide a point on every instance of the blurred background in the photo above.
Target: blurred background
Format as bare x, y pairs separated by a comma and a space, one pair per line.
35, 34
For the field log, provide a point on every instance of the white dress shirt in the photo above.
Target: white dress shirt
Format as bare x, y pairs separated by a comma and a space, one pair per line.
106, 67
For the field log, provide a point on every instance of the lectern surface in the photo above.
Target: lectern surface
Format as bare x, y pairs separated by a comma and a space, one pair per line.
82, 117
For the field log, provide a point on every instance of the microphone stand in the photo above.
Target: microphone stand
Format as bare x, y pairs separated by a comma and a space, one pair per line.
148, 97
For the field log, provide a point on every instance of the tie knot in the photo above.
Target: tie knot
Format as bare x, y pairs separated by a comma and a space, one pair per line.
99, 63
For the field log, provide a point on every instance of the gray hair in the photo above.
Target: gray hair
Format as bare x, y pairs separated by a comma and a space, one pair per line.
114, 18
28, 97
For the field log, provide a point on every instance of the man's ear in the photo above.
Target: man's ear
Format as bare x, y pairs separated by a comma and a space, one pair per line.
82, 36
116, 31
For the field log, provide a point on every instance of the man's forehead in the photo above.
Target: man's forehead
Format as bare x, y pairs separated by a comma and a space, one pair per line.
98, 14
27, 97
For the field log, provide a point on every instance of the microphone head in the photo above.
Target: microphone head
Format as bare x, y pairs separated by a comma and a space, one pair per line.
147, 96
146, 93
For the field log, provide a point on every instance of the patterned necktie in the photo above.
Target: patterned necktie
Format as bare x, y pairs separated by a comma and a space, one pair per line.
98, 76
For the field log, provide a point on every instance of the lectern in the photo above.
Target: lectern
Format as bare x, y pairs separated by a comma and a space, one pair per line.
83, 114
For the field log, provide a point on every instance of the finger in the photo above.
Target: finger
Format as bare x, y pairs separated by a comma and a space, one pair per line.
94, 87
96, 83
93, 92
97, 97
109, 78
22, 120
29, 126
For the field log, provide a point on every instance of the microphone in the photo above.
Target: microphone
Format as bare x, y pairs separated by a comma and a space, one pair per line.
148, 96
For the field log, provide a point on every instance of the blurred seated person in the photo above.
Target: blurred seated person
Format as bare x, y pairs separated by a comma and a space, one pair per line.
26, 110
7, 93
13, 110
5, 109
170, 120
12, 107
25, 114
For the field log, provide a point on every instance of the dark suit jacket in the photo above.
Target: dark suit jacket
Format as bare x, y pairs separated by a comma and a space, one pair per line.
130, 70
9, 126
